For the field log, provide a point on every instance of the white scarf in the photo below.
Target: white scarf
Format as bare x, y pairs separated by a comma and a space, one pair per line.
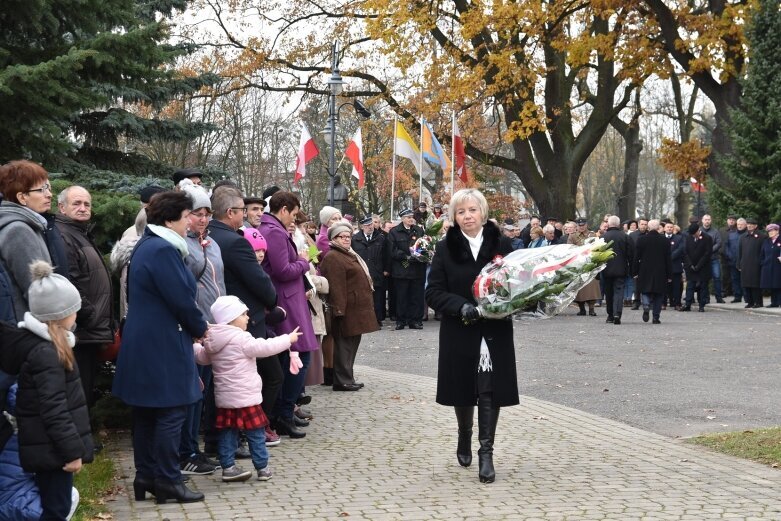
167, 234
40, 329
485, 364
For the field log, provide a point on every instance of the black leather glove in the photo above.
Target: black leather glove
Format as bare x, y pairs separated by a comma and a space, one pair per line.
469, 312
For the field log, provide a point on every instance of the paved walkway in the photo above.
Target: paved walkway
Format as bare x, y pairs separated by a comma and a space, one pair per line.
387, 452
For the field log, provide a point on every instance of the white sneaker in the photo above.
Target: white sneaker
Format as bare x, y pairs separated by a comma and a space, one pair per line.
74, 503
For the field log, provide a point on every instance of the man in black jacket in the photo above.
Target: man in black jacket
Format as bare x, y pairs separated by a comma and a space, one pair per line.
408, 274
370, 245
642, 229
617, 269
677, 250
86, 270
699, 247
245, 279
749, 248
652, 269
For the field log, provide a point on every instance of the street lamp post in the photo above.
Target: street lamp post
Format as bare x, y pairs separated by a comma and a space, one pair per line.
336, 86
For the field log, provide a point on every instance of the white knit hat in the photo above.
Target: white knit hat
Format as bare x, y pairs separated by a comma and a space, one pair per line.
51, 296
197, 194
227, 308
326, 213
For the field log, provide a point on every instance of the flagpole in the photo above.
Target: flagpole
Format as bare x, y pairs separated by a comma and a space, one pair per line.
420, 172
453, 156
393, 168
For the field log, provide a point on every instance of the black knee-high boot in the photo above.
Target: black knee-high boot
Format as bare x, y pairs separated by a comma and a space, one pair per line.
487, 416
465, 417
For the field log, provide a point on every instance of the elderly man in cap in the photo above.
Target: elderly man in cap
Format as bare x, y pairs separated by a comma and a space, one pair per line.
408, 274
255, 207
370, 245
193, 174
749, 252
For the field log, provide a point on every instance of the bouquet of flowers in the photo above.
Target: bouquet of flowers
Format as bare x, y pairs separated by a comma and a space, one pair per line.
539, 282
423, 249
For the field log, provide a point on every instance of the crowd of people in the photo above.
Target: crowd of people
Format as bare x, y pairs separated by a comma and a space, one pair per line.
231, 305
658, 264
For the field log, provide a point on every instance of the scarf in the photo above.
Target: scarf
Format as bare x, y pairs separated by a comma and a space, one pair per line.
40, 329
173, 238
485, 364
360, 261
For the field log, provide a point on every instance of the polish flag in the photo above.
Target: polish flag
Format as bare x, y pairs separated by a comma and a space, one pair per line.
697, 186
354, 153
459, 154
307, 150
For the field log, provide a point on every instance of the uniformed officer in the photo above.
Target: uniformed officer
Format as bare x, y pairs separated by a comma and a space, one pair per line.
369, 243
408, 274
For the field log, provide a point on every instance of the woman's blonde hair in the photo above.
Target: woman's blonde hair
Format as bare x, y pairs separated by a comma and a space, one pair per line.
536, 230
60, 341
462, 196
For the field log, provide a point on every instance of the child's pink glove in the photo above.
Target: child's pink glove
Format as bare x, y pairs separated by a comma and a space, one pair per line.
295, 362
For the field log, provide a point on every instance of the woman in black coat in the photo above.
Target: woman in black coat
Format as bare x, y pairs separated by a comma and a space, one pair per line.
476, 356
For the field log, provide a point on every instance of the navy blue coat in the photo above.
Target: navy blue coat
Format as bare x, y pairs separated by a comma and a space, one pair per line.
156, 366
770, 275
677, 252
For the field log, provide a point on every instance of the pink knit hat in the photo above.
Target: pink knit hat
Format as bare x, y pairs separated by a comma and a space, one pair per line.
256, 240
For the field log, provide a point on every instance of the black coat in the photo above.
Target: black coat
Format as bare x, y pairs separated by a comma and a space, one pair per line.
374, 253
624, 248
677, 252
88, 272
652, 264
51, 410
244, 277
749, 251
400, 240
449, 287
697, 256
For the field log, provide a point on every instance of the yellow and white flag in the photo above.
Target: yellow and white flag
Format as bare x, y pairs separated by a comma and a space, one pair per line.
406, 147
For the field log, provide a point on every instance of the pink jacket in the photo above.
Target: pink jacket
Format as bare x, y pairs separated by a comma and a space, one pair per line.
232, 353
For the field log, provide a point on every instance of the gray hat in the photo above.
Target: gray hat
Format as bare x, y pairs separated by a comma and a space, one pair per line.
196, 193
339, 227
51, 296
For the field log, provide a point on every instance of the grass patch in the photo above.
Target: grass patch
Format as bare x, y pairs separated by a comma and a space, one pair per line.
94, 482
762, 445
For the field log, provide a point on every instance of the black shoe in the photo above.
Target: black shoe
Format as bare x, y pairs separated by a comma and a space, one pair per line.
195, 466
346, 387
736, 301
701, 310
141, 486
286, 427
165, 490
592, 313
721, 301
304, 399
635, 307
487, 417
657, 321
304, 414
687, 307
582, 313
399, 327
359, 384
609, 320
747, 306
645, 315
300, 422
416, 326
757, 306
617, 321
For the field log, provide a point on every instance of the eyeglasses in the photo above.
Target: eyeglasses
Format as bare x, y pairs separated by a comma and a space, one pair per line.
45, 188
243, 209
201, 215
344, 237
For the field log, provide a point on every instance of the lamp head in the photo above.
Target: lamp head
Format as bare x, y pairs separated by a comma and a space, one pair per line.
361, 109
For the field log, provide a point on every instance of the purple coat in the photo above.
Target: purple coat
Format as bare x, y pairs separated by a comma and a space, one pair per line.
286, 271
323, 244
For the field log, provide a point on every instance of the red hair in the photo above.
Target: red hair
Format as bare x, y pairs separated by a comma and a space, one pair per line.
19, 177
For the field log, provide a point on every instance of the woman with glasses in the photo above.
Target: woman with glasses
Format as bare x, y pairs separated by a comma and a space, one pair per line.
156, 372
23, 228
351, 298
